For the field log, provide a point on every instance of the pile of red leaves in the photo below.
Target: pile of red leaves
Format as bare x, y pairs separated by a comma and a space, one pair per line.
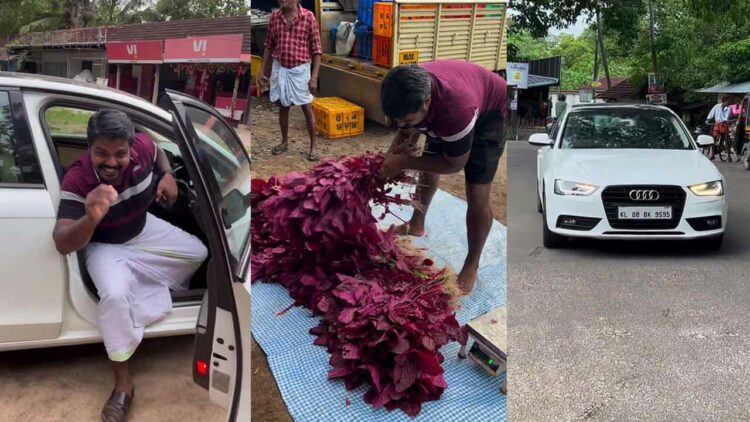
386, 309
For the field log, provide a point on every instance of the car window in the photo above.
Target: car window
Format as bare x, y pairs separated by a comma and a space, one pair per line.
220, 150
18, 161
624, 128
160, 140
67, 120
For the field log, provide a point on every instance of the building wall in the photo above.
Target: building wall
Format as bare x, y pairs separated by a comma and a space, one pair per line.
571, 97
67, 63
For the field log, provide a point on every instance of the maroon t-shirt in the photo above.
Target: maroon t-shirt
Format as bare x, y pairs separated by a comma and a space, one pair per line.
461, 91
127, 215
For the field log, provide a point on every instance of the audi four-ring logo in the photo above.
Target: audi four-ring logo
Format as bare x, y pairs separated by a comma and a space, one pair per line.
644, 195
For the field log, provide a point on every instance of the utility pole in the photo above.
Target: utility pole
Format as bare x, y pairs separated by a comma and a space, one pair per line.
596, 69
603, 50
653, 42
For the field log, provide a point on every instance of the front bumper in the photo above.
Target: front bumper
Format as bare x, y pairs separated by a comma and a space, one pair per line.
573, 215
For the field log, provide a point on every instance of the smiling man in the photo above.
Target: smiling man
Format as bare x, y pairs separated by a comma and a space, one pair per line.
133, 257
461, 107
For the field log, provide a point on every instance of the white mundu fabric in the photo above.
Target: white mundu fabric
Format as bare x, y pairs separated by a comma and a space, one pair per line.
290, 86
133, 281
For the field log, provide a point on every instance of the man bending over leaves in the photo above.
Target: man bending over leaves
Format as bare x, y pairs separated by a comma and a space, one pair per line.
461, 107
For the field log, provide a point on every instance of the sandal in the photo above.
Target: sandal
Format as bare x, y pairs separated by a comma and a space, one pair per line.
117, 407
280, 149
313, 156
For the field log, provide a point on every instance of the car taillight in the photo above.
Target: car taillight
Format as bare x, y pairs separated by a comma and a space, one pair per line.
202, 368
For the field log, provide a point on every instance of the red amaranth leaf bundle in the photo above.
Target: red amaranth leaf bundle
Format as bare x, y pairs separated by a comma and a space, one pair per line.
386, 309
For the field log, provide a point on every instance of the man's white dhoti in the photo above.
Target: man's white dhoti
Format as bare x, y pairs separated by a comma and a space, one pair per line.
133, 281
290, 86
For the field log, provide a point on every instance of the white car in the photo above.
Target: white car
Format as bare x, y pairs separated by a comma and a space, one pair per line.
627, 172
49, 300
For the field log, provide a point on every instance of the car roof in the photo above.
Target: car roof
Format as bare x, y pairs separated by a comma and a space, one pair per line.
28, 81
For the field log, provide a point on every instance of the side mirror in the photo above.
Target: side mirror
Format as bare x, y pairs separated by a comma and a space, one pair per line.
705, 140
540, 139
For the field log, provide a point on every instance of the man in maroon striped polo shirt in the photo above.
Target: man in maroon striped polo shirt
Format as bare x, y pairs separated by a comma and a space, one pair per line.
133, 257
461, 108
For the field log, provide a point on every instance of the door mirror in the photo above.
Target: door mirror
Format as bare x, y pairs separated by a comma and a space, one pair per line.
705, 140
540, 139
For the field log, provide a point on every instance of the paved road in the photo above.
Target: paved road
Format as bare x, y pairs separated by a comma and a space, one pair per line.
626, 331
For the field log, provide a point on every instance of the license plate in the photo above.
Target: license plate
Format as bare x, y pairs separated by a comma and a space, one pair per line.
644, 213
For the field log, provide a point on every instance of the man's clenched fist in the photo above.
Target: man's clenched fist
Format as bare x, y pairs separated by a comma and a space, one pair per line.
98, 202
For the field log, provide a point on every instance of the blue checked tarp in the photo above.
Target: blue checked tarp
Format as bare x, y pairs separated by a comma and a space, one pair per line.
301, 368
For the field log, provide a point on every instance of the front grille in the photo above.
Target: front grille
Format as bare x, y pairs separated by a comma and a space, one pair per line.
619, 196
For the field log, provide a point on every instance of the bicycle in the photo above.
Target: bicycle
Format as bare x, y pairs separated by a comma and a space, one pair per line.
724, 144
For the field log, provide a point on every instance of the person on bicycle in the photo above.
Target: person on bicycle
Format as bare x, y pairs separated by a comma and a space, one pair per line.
719, 115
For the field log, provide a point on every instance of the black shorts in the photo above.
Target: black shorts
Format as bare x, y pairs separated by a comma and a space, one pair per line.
486, 143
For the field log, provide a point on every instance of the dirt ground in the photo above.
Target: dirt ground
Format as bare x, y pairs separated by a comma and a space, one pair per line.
267, 404
72, 384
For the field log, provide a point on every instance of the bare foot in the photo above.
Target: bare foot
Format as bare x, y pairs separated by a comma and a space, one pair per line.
409, 229
466, 278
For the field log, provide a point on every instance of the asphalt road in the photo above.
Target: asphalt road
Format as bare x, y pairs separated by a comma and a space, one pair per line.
626, 331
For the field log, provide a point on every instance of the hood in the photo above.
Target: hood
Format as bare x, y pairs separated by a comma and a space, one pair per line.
634, 166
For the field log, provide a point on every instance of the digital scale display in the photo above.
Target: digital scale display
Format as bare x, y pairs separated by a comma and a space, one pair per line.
493, 363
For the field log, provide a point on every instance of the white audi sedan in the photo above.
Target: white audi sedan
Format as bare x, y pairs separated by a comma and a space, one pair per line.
630, 172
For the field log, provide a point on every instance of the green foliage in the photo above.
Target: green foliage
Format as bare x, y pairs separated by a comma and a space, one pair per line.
23, 16
698, 42
539, 16
736, 57
578, 59
186, 9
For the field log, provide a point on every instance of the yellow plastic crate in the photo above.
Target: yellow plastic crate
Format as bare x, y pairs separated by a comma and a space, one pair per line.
336, 118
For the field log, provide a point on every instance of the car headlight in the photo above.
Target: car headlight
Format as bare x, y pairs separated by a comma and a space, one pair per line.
715, 188
563, 187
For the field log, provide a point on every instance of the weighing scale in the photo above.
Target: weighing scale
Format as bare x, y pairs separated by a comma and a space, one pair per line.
489, 335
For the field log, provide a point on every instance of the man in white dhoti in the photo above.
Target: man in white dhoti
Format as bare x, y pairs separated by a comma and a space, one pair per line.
291, 61
133, 257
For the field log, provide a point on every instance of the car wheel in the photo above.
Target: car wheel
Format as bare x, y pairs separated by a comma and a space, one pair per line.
713, 243
550, 239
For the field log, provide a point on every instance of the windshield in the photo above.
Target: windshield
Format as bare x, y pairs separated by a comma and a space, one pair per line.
225, 155
624, 128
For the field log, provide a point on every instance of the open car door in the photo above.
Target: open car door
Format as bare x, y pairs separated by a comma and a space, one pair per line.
220, 167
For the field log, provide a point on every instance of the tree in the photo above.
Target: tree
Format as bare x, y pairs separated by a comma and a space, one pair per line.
117, 12
187, 9
713, 11
539, 16
16, 14
45, 15
522, 46
59, 14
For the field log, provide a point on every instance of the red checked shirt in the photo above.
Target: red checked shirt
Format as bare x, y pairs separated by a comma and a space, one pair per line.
296, 44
